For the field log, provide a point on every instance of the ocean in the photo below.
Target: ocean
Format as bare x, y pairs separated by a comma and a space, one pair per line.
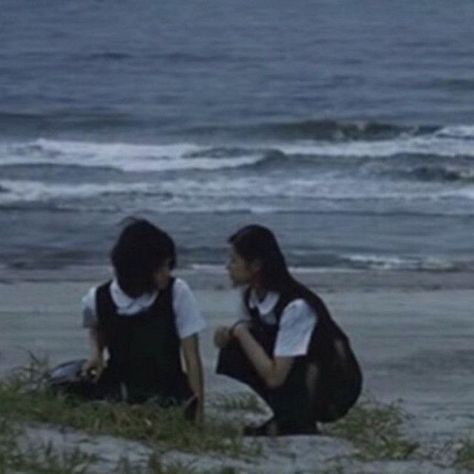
347, 127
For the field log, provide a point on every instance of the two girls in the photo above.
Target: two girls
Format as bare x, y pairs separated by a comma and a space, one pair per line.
286, 347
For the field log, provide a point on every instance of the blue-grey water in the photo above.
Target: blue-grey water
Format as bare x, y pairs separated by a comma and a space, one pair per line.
346, 126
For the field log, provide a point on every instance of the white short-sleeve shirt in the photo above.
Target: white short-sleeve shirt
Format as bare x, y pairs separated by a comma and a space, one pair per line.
189, 319
297, 323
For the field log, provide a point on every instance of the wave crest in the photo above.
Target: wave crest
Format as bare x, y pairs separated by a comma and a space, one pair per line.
320, 130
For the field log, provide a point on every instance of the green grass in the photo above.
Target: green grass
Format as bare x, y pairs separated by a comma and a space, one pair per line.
374, 429
154, 465
25, 397
44, 458
146, 423
240, 402
465, 455
37, 458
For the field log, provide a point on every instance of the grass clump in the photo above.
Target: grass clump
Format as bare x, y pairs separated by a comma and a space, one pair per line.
25, 396
465, 455
38, 458
375, 431
154, 465
243, 401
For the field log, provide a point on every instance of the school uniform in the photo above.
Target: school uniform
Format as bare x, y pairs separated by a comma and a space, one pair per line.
282, 332
142, 336
290, 327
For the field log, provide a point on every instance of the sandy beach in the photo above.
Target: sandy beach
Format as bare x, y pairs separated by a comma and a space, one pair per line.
344, 127
412, 334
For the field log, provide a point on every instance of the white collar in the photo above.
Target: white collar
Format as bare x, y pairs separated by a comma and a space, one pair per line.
267, 305
127, 305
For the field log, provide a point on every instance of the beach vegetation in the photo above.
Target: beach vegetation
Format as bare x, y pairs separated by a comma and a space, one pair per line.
24, 396
375, 430
18, 454
247, 402
154, 465
334, 469
465, 455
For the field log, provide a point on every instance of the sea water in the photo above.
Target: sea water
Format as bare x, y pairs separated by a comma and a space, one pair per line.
347, 127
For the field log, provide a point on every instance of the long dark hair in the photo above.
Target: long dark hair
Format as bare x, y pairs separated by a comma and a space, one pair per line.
329, 345
256, 242
141, 249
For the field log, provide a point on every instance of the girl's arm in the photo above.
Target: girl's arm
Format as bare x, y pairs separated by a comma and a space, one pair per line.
273, 371
193, 365
95, 362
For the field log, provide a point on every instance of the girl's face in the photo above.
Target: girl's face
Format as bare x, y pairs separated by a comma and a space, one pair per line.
241, 272
163, 275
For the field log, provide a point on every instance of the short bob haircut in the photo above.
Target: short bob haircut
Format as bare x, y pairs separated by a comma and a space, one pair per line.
141, 249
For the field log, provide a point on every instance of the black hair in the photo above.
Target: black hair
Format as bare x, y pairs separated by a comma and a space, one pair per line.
141, 249
258, 243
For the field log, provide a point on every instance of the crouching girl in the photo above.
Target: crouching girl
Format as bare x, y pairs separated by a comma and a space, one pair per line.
286, 347
145, 319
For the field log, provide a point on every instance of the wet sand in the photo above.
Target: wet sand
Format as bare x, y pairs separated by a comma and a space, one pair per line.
413, 333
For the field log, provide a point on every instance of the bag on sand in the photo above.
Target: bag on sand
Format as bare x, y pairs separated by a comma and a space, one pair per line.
67, 378
333, 374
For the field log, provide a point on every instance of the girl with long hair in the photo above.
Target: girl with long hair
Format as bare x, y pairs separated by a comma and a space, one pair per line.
286, 346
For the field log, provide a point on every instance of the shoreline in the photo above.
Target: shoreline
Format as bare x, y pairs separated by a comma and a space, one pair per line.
215, 277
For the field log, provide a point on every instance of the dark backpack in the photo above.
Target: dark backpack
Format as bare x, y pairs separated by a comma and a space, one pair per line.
334, 376
67, 379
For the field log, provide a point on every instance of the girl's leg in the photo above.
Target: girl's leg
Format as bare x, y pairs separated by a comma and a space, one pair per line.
234, 363
292, 404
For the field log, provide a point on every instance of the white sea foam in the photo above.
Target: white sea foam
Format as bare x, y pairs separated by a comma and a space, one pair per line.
372, 262
127, 157
288, 188
257, 194
430, 145
465, 132
325, 187
122, 156
387, 262
36, 191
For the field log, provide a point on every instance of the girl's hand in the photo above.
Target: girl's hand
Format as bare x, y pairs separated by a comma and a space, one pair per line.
222, 336
93, 368
238, 328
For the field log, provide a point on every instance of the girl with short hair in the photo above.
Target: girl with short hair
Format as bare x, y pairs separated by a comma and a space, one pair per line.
145, 319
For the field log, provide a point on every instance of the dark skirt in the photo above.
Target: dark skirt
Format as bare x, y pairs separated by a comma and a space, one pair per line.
302, 399
291, 403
